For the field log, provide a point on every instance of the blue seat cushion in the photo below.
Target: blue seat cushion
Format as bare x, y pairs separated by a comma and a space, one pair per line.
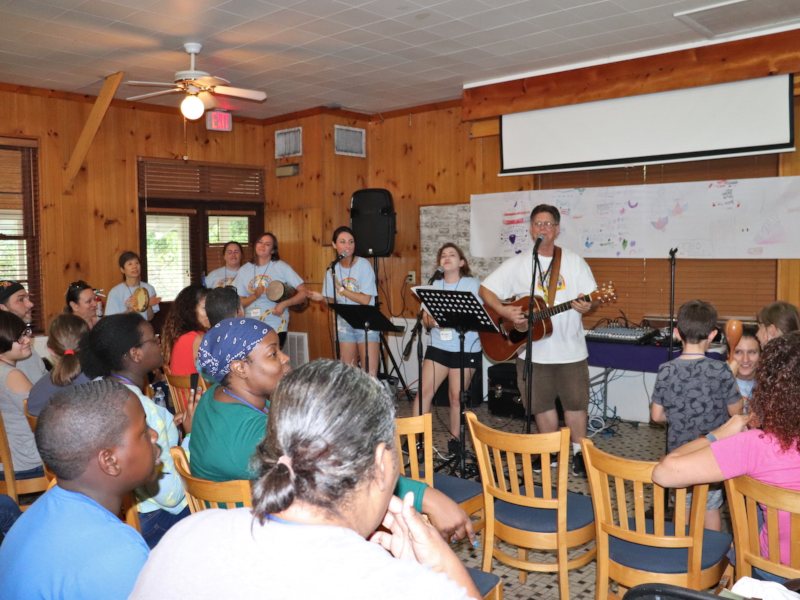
579, 514
485, 582
667, 560
455, 488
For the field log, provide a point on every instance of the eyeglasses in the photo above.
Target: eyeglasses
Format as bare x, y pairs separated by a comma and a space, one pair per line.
544, 224
27, 333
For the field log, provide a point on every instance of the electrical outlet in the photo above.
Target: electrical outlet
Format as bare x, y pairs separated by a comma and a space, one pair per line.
411, 277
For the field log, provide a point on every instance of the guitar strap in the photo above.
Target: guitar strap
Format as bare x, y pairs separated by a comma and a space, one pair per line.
552, 285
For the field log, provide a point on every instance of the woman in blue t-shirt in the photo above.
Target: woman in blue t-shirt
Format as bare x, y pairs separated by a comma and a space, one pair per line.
443, 356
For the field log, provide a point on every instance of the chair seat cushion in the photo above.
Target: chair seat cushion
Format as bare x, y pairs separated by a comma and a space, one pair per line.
667, 560
579, 514
457, 489
485, 582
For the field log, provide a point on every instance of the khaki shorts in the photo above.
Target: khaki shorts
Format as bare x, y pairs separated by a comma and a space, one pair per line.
569, 382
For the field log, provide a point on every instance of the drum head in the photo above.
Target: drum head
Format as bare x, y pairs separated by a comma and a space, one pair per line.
141, 299
275, 290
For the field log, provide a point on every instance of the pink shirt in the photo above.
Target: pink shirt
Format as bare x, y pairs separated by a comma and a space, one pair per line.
760, 456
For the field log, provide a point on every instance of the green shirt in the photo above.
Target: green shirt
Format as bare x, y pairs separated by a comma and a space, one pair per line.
224, 438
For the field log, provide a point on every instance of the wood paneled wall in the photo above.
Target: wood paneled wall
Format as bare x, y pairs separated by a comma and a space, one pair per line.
84, 231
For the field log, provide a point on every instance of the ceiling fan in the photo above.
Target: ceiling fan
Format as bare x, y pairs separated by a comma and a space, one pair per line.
199, 87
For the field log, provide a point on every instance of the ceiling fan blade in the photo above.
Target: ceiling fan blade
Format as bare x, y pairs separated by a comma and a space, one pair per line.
153, 94
255, 95
208, 100
211, 81
151, 83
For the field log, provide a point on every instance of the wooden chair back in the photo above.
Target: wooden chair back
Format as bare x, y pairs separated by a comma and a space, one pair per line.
11, 486
202, 494
180, 390
622, 492
508, 468
746, 498
406, 431
31, 419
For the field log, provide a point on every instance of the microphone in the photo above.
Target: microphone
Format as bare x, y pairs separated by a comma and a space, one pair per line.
337, 259
539, 239
437, 275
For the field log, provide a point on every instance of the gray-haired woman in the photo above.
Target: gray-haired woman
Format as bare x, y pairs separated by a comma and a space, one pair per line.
326, 472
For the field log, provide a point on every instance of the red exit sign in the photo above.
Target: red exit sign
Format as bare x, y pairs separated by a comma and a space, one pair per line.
219, 120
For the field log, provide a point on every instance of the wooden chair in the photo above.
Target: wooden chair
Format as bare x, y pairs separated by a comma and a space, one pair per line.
12, 486
633, 549
531, 515
180, 390
31, 419
746, 498
202, 494
467, 493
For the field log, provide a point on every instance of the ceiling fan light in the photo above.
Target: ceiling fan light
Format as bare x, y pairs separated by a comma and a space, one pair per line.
192, 107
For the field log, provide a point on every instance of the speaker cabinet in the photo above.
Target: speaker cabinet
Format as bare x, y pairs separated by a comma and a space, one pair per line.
372, 219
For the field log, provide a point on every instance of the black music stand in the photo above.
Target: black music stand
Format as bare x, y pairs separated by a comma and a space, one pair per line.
366, 317
462, 311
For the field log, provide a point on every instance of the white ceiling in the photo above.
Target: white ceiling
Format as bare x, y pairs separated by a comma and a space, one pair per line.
364, 55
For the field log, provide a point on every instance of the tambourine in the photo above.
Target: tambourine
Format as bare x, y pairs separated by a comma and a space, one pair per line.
277, 291
141, 299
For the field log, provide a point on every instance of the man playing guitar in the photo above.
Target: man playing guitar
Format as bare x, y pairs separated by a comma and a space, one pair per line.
560, 367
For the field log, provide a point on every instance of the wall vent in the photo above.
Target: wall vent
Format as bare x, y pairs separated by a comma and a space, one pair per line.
297, 348
350, 141
289, 142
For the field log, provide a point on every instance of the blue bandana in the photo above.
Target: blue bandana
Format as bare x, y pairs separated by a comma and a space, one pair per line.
227, 341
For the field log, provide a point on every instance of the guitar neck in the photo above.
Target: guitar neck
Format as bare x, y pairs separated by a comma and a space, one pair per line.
558, 308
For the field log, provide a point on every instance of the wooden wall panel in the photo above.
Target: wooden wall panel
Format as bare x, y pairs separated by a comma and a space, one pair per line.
789, 270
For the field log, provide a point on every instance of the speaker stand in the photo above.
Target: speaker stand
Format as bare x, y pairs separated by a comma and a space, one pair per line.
384, 346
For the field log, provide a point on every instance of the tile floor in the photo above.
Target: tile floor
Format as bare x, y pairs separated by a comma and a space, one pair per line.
625, 439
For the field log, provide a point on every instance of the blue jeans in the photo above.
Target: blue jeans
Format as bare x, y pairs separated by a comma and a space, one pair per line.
155, 524
28, 474
9, 513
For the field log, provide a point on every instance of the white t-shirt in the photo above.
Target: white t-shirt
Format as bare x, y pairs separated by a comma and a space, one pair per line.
227, 554
567, 343
119, 294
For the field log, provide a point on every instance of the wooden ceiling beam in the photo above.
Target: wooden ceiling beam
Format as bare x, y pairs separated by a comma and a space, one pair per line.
750, 58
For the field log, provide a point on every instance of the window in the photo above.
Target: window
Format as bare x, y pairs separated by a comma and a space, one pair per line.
168, 254
19, 218
228, 228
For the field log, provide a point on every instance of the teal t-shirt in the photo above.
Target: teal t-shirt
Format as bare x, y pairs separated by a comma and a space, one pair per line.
224, 439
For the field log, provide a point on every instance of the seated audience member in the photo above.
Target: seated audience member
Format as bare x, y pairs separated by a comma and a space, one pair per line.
9, 513
15, 299
223, 303
63, 337
325, 475
183, 330
15, 347
243, 356
71, 544
776, 319
123, 347
770, 454
744, 363
694, 394
81, 301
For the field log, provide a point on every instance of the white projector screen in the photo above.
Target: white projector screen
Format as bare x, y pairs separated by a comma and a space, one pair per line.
728, 119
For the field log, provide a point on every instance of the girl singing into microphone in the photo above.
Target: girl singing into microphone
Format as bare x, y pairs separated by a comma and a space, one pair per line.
353, 280
443, 358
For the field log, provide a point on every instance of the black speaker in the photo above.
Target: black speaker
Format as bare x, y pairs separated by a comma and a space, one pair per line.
504, 400
372, 219
474, 392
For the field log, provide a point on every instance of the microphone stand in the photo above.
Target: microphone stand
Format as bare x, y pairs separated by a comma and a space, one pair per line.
336, 348
417, 331
528, 369
672, 253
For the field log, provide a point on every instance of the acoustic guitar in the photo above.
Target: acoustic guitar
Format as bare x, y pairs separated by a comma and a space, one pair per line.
502, 346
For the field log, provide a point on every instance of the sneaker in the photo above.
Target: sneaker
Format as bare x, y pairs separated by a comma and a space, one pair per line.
578, 467
537, 464
453, 446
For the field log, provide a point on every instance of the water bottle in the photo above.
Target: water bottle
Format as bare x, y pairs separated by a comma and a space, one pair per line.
159, 397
